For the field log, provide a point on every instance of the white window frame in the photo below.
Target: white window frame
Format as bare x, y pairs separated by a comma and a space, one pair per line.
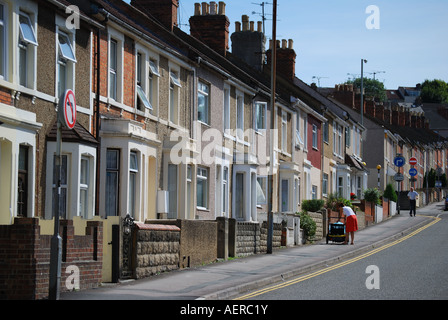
62, 60
133, 184
28, 79
325, 184
225, 190
262, 186
84, 185
305, 132
226, 110
240, 117
315, 137
203, 176
113, 69
174, 97
204, 91
118, 38
142, 102
299, 140
260, 111
284, 131
153, 82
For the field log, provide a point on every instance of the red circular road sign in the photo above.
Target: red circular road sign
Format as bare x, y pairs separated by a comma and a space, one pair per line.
413, 161
67, 109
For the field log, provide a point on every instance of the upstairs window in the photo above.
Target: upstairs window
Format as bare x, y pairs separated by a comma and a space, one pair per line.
66, 61
27, 44
113, 72
260, 116
203, 102
174, 96
26, 29
315, 136
142, 101
240, 118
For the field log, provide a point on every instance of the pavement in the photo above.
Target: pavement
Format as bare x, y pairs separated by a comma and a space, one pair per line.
232, 278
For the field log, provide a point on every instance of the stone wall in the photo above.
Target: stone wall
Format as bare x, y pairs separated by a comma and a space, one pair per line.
252, 237
318, 218
157, 249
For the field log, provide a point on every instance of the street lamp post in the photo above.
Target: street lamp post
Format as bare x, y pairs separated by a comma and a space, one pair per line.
378, 167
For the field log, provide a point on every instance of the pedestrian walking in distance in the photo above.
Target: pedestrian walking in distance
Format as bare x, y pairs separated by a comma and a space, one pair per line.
412, 195
351, 223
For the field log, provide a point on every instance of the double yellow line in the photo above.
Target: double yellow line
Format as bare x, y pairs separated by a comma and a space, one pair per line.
325, 270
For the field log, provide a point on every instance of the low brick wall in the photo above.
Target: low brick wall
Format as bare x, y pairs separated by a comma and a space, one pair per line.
25, 258
157, 249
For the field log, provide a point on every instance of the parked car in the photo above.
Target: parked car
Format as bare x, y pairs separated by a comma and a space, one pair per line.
446, 203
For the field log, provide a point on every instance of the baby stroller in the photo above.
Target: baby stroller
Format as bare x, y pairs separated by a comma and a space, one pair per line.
336, 232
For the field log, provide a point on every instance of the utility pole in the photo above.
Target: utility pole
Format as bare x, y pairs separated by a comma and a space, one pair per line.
271, 158
362, 90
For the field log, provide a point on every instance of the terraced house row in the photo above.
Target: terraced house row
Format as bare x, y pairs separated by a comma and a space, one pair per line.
173, 125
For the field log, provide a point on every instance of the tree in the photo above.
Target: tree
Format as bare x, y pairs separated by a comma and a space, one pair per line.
390, 193
372, 88
434, 91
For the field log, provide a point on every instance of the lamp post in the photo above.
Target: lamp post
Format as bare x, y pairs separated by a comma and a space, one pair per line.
271, 158
362, 90
378, 167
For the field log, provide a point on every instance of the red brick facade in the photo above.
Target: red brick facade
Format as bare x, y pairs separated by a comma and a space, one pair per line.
25, 258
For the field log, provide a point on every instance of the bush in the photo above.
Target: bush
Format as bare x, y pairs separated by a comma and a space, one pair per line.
312, 205
390, 193
308, 225
372, 195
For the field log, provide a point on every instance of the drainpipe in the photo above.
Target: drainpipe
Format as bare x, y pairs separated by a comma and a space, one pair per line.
97, 111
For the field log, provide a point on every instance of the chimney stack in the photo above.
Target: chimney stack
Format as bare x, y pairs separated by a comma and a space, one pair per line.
248, 44
165, 11
210, 25
286, 58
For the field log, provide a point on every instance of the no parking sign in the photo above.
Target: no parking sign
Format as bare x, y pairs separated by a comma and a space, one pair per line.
67, 109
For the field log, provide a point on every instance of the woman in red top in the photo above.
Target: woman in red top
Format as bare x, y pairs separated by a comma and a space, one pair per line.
351, 223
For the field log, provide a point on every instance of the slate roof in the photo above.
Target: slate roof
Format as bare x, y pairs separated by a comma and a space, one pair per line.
78, 134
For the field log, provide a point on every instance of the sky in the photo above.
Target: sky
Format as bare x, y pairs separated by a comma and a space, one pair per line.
404, 42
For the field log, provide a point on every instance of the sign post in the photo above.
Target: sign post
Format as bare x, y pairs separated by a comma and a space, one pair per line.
66, 118
399, 162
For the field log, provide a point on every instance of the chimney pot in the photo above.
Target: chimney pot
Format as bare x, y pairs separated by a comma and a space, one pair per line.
260, 26
245, 20
211, 29
237, 26
222, 8
205, 8
197, 9
252, 26
290, 44
213, 7
284, 44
